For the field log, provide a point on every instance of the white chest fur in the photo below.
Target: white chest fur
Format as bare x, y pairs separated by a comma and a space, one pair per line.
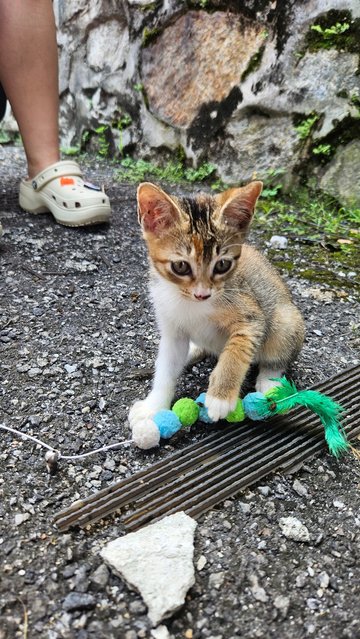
177, 314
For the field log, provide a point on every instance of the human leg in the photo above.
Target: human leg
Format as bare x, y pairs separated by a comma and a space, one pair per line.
29, 75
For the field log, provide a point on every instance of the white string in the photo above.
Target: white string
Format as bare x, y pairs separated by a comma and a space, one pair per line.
58, 452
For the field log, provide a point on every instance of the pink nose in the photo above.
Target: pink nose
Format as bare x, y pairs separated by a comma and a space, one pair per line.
201, 297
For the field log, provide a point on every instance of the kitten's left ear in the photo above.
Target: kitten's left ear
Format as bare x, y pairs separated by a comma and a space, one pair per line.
157, 211
237, 205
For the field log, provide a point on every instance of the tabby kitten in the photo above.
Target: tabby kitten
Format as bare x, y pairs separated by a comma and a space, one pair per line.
213, 293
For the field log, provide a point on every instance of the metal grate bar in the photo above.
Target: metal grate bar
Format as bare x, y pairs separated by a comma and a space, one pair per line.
224, 462
143, 479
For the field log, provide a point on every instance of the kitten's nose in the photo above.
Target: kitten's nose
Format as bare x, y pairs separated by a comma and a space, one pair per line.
199, 296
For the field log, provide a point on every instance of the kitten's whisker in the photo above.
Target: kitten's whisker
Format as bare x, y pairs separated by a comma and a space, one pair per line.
233, 244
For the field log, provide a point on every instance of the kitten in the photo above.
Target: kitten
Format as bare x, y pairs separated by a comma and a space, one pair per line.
213, 293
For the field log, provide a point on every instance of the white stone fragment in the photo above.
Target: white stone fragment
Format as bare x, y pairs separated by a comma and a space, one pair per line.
161, 632
158, 562
278, 242
201, 562
20, 518
292, 528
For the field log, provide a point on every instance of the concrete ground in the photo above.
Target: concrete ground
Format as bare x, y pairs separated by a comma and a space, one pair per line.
78, 341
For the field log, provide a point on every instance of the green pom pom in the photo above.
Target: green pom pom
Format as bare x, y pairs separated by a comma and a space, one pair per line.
186, 410
238, 414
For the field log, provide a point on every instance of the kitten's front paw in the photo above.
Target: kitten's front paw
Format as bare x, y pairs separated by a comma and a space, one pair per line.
219, 408
142, 410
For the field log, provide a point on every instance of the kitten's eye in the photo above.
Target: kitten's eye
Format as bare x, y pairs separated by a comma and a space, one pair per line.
181, 268
222, 266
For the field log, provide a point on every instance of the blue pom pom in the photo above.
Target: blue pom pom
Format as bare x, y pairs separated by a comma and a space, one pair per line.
167, 422
203, 413
250, 402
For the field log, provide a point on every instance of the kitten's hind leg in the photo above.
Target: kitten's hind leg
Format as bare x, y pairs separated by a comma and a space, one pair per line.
196, 354
265, 381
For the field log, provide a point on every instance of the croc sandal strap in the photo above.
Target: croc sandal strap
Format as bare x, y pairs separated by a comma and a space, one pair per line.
64, 168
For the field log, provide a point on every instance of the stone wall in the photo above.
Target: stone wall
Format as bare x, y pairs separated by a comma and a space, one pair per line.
250, 86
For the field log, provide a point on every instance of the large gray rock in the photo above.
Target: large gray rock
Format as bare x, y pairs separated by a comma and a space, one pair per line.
195, 61
254, 144
342, 176
229, 87
158, 562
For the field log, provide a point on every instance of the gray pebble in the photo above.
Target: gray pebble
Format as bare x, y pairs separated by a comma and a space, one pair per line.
313, 603
78, 601
292, 528
137, 607
299, 488
264, 490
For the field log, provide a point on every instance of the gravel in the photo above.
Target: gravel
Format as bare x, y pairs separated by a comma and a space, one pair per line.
78, 340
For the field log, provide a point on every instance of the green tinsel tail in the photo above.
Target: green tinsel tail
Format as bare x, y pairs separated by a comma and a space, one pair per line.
282, 398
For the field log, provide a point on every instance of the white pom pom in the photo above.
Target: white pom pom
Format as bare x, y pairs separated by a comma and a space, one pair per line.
145, 434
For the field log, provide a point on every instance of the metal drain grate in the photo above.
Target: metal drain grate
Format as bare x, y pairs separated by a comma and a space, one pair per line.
235, 456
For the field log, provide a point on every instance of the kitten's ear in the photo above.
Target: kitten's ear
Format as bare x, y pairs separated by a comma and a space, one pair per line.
156, 210
237, 205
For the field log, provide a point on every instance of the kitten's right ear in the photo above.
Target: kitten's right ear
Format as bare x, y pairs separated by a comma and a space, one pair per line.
238, 204
156, 210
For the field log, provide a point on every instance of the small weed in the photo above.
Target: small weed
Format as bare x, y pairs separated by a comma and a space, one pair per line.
330, 32
322, 149
138, 87
305, 127
5, 138
148, 35
355, 101
10, 137
70, 150
203, 172
310, 216
104, 145
122, 124
174, 171
272, 185
334, 29
254, 63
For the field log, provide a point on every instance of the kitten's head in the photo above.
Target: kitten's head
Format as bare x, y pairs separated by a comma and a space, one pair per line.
195, 243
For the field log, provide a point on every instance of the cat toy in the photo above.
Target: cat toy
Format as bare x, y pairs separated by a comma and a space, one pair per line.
256, 406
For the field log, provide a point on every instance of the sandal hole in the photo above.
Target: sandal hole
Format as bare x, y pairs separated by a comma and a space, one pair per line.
77, 205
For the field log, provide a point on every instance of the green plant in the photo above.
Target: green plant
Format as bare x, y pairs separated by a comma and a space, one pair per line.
122, 124
272, 185
104, 145
138, 87
70, 150
329, 33
305, 127
254, 63
174, 171
148, 35
85, 137
203, 172
322, 149
5, 138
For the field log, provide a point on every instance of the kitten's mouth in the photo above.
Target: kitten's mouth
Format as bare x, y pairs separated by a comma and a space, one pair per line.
202, 298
